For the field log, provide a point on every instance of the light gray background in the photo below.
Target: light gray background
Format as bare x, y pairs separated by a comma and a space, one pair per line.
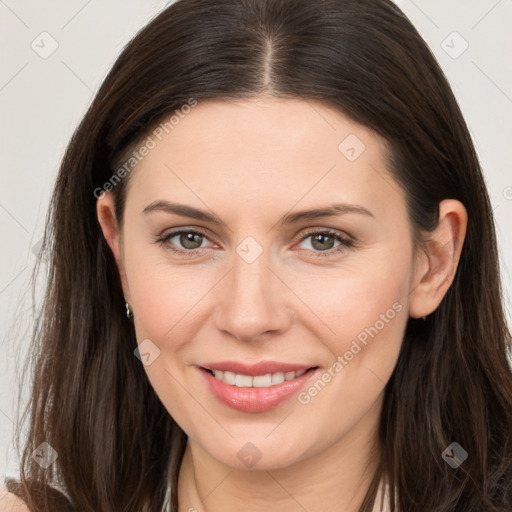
43, 99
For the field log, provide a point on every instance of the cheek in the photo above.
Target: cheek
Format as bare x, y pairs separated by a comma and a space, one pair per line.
358, 298
166, 301
164, 293
363, 315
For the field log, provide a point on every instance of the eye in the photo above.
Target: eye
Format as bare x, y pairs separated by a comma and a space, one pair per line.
186, 241
323, 242
190, 242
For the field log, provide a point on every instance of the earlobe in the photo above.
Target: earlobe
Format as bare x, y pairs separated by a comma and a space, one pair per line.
105, 211
437, 264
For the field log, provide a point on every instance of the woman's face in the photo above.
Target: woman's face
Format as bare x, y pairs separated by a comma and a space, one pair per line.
260, 283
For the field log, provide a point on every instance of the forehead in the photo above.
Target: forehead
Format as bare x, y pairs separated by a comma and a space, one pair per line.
282, 149
265, 126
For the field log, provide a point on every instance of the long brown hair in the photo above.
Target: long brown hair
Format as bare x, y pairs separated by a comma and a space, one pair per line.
118, 448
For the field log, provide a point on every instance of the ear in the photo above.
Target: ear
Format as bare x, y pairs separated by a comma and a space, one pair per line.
105, 212
437, 260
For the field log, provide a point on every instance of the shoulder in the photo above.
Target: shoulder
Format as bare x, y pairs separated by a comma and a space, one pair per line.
9, 502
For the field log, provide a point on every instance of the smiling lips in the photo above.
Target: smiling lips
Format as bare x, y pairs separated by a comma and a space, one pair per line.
255, 388
259, 375
260, 368
256, 381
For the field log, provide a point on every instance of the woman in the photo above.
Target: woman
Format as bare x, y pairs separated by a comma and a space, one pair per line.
273, 279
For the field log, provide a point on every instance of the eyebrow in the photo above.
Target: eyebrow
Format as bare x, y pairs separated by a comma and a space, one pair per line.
290, 218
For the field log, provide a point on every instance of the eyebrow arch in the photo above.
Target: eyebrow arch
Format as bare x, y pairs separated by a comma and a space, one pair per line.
329, 211
290, 218
183, 210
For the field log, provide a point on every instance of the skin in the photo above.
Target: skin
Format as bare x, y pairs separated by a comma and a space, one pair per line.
10, 502
250, 162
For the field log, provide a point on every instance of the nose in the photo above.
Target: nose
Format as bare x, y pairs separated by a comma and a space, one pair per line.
252, 301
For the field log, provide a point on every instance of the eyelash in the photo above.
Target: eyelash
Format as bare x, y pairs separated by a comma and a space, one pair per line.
345, 242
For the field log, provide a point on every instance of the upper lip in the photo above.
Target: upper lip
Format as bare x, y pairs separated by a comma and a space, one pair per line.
261, 368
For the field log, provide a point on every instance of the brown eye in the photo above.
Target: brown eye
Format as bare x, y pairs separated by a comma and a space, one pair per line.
190, 240
183, 241
322, 242
326, 243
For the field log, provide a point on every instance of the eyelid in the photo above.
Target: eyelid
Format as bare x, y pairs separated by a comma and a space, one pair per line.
326, 231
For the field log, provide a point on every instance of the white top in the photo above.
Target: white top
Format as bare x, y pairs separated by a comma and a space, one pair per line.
382, 501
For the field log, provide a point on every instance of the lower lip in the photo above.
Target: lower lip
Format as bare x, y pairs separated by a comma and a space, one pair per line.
255, 399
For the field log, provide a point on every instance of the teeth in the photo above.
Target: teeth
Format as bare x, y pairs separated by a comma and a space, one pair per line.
258, 381
277, 378
243, 381
262, 381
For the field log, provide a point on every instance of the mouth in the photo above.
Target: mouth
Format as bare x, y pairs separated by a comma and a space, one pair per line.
249, 389
266, 380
